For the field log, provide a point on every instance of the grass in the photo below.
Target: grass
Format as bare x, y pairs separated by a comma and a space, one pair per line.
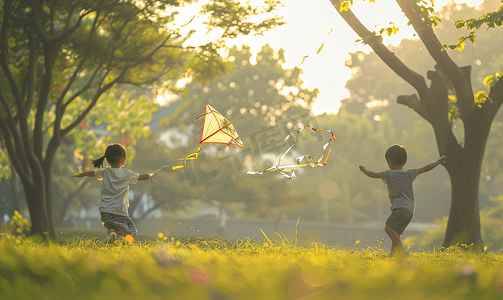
173, 268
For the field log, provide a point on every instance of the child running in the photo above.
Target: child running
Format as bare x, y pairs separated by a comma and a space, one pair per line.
401, 195
115, 191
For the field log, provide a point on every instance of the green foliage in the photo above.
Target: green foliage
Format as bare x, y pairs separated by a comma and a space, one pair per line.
390, 30
491, 20
126, 119
377, 38
345, 5
235, 17
19, 226
4, 165
453, 108
427, 12
482, 96
244, 269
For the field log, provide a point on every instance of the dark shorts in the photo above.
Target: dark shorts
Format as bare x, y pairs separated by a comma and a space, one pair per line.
399, 219
121, 224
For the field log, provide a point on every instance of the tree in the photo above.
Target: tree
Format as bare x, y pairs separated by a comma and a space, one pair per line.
45, 46
256, 95
373, 88
449, 81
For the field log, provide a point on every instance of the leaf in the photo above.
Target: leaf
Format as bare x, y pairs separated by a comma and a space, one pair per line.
472, 37
344, 6
490, 80
481, 97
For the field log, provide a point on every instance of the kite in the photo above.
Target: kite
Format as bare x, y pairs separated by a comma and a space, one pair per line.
216, 129
286, 170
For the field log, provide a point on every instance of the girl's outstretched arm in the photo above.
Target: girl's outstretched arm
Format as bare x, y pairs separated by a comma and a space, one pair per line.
369, 173
84, 174
432, 165
146, 176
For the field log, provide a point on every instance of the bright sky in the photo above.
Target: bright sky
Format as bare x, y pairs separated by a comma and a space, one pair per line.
309, 23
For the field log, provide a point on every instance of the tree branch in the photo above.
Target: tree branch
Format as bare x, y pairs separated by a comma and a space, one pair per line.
21, 113
13, 154
389, 58
4, 52
148, 56
423, 104
83, 89
495, 99
9, 122
412, 101
30, 76
455, 74
98, 94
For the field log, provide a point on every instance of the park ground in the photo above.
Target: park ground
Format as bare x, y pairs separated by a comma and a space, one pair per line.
160, 267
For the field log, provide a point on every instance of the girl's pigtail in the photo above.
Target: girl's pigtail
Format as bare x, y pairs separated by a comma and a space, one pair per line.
99, 162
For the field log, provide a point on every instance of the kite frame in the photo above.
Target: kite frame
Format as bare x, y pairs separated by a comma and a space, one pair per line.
212, 112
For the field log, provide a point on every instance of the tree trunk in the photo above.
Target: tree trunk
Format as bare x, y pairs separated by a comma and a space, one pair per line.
51, 231
35, 199
464, 220
15, 197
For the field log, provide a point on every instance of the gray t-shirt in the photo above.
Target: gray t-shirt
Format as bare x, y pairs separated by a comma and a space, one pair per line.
399, 184
115, 189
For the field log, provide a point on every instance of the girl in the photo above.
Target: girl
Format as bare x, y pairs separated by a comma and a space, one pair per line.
115, 191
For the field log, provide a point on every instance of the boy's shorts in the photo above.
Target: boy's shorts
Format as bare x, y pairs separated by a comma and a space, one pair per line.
399, 219
121, 224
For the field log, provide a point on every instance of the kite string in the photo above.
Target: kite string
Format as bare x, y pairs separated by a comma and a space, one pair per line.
167, 163
352, 160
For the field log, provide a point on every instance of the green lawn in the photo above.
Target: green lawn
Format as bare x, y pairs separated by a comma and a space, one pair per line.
155, 268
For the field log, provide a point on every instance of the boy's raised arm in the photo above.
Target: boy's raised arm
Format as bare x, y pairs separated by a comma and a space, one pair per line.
369, 173
431, 166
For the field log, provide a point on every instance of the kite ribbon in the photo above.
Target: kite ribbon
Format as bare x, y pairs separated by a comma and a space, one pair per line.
326, 148
192, 156
286, 170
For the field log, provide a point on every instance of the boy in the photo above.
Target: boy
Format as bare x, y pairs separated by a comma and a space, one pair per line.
400, 191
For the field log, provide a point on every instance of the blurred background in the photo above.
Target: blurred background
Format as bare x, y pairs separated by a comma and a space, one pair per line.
276, 84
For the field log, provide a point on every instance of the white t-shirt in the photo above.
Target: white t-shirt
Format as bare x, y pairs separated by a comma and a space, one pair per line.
115, 189
400, 190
